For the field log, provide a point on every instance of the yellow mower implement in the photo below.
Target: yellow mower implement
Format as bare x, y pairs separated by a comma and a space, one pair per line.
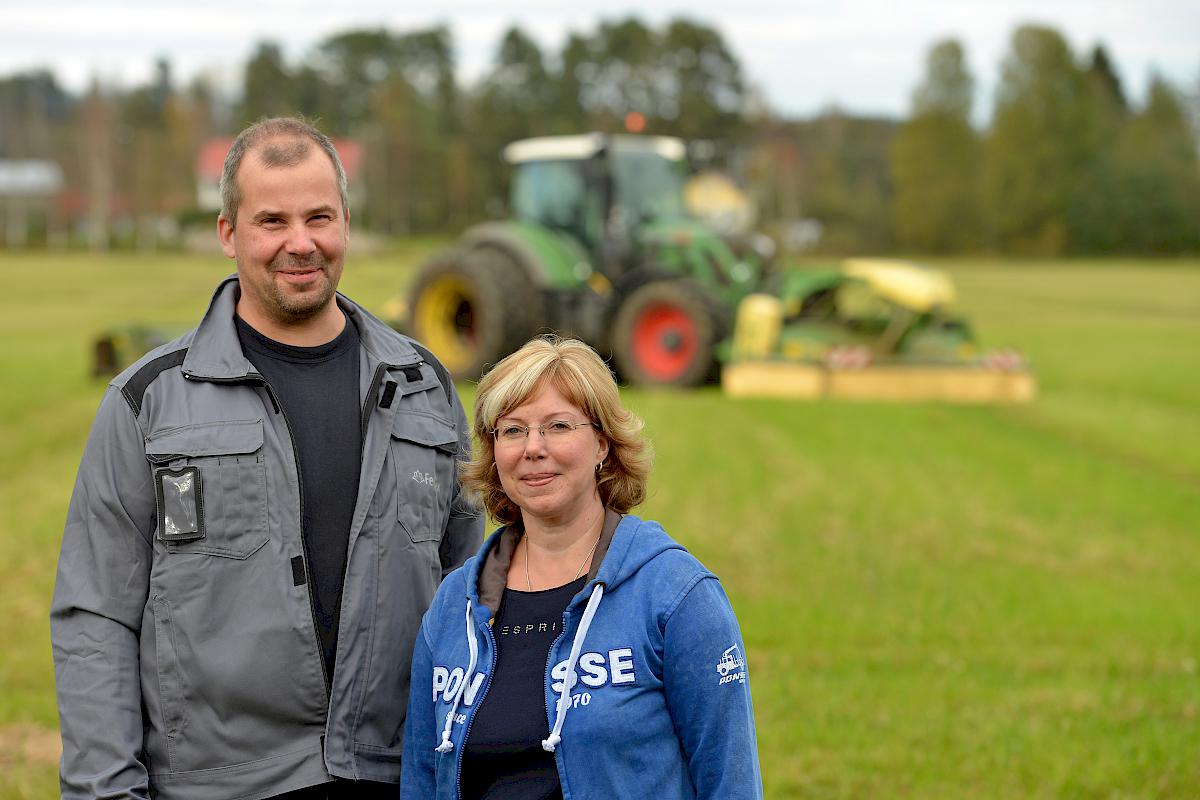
909, 346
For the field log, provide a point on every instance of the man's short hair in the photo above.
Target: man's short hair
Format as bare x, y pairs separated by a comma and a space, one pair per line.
283, 142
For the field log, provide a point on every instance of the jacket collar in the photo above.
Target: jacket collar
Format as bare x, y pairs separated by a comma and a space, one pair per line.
216, 353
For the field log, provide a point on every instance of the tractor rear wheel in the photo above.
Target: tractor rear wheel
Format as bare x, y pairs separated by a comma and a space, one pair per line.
665, 334
472, 308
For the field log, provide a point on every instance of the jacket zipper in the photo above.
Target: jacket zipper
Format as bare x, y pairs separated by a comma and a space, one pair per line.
369, 400
312, 602
254, 378
487, 682
368, 404
478, 701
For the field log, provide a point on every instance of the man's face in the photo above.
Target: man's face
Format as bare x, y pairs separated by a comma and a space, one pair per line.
289, 241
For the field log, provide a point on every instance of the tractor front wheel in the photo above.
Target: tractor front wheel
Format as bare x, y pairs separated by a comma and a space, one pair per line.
472, 308
664, 334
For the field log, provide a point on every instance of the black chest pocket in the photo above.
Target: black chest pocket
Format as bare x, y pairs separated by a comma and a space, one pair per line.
210, 485
422, 451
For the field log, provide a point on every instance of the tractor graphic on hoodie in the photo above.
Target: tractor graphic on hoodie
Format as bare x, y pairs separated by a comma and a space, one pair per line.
731, 660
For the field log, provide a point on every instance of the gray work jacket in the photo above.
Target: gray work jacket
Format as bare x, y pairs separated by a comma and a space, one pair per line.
187, 662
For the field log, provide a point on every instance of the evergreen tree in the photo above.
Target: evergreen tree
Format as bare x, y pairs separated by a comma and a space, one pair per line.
574, 63
514, 101
1099, 208
1041, 143
267, 87
847, 185
706, 81
31, 105
146, 168
618, 76
1160, 172
935, 160
396, 93
1105, 82
683, 80
97, 144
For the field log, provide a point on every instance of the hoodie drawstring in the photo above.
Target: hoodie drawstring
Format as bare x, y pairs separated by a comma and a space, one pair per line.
564, 698
446, 746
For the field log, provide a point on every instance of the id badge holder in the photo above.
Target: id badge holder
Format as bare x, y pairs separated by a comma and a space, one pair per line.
180, 495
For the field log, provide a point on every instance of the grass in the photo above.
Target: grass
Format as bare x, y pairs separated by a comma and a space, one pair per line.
937, 601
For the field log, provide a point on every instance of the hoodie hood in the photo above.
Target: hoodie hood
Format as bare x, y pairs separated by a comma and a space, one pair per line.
635, 543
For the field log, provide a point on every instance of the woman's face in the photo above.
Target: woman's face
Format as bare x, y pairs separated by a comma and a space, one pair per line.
551, 476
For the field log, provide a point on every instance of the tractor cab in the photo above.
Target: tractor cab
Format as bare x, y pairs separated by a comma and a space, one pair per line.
603, 191
600, 247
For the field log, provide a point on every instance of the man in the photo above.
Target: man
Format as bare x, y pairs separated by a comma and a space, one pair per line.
262, 514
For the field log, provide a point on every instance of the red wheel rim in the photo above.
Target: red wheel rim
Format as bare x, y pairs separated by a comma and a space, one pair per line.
664, 342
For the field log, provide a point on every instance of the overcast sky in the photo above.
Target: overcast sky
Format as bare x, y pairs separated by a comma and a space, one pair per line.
864, 56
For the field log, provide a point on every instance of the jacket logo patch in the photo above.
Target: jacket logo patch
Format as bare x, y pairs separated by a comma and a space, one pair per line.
731, 667
425, 478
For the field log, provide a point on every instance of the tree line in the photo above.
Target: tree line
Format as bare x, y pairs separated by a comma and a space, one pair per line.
1065, 165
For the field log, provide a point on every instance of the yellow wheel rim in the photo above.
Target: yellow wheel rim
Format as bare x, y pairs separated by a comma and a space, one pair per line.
439, 323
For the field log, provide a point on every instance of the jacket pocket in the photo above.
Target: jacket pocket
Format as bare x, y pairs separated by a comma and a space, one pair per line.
422, 451
170, 677
211, 488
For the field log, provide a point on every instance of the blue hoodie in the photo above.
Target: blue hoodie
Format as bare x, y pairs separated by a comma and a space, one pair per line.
658, 704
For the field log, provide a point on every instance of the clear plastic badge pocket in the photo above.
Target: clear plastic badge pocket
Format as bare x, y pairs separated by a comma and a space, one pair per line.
180, 495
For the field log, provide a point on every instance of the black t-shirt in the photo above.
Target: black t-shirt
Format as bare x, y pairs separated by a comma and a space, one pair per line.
503, 758
318, 390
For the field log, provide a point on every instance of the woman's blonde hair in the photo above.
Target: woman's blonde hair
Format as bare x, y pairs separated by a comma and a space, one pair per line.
580, 376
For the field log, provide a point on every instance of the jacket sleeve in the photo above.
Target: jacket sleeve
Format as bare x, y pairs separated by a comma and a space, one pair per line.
711, 709
95, 617
417, 778
464, 528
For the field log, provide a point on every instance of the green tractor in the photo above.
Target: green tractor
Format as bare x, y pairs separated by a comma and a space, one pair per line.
599, 248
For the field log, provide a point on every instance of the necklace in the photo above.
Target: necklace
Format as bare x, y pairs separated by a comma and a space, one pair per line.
578, 572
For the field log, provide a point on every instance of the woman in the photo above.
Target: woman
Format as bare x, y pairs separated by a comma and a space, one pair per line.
582, 653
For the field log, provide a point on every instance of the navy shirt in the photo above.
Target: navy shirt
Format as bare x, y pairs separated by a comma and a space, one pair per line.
503, 758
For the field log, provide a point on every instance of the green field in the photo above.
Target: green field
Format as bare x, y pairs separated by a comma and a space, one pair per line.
938, 602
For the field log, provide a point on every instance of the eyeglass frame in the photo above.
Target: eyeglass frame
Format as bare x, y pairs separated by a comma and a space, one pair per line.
541, 429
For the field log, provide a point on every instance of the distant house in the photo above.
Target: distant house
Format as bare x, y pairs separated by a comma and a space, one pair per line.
211, 159
28, 188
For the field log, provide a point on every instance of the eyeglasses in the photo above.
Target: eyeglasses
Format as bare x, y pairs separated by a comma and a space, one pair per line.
555, 430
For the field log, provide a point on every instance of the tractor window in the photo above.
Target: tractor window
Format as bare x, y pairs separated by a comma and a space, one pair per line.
550, 193
648, 185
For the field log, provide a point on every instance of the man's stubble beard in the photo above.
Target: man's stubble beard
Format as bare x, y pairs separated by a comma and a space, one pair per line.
299, 308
